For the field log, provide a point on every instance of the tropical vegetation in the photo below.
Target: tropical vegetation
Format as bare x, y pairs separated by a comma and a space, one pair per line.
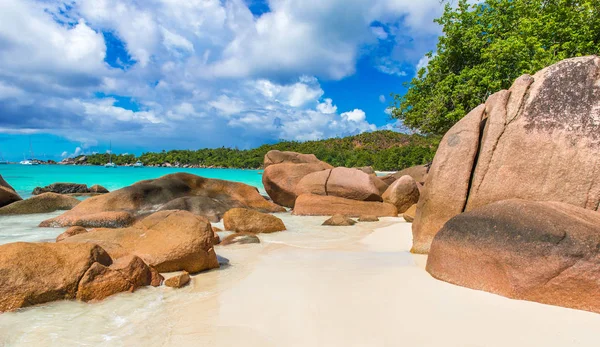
486, 46
383, 150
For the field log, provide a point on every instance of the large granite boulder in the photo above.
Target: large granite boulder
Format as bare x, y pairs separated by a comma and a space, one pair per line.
320, 205
403, 193
279, 157
539, 251
36, 273
343, 182
44, 203
166, 240
537, 141
242, 220
7, 193
280, 180
145, 197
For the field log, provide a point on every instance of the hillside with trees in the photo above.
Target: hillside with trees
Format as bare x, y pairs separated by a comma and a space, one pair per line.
383, 150
486, 46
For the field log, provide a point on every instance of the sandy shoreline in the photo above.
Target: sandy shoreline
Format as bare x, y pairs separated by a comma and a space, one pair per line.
310, 286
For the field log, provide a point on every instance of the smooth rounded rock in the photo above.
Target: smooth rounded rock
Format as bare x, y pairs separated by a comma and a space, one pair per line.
318, 205
242, 220
178, 281
166, 240
403, 193
339, 220
539, 251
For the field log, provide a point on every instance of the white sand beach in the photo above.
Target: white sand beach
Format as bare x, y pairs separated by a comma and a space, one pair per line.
309, 286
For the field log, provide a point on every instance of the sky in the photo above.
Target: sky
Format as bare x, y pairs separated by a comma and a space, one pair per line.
148, 75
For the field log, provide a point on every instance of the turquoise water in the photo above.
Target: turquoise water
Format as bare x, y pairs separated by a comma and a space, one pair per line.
25, 178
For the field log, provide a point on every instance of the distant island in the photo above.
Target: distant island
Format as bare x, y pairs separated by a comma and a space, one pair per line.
384, 150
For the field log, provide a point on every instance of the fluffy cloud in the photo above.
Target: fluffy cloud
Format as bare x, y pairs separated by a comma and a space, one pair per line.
198, 72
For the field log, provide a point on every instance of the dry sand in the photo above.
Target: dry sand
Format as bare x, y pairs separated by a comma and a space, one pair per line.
310, 286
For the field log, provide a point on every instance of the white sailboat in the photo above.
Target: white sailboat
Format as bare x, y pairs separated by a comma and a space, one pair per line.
110, 164
30, 161
2, 161
138, 164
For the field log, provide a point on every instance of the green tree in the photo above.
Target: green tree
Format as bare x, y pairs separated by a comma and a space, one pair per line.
485, 47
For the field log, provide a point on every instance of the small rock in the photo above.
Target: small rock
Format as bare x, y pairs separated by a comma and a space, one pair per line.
240, 238
368, 218
72, 231
178, 281
339, 220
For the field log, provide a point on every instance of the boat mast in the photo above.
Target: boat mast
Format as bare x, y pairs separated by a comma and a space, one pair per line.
31, 150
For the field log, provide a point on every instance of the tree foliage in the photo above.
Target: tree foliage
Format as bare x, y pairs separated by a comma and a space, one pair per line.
384, 150
486, 46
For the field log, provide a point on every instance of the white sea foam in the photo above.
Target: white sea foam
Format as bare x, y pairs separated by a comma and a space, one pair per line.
25, 228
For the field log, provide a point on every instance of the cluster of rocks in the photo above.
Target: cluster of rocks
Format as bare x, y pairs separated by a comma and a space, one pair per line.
511, 202
71, 189
125, 239
312, 187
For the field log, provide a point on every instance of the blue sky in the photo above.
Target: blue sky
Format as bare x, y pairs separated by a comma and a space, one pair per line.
166, 74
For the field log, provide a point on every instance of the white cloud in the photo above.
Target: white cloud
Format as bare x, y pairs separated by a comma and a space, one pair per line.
354, 116
327, 107
294, 95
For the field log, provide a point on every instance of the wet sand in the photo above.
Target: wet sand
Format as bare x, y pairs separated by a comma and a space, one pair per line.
309, 286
